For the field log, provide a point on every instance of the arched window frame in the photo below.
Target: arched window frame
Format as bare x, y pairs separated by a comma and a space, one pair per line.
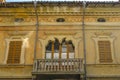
76, 39
62, 54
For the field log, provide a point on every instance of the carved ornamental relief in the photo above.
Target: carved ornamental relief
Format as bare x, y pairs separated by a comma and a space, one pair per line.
6, 19
71, 18
104, 36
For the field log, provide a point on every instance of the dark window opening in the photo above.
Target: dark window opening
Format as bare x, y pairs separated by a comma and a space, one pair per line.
101, 20
60, 49
60, 20
19, 19
49, 46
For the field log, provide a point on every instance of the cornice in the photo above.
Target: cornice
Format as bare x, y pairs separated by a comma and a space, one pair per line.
61, 3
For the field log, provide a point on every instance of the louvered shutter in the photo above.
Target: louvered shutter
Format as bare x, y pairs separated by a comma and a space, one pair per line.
105, 51
14, 52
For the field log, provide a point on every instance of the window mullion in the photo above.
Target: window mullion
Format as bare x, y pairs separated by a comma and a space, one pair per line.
60, 51
52, 56
67, 50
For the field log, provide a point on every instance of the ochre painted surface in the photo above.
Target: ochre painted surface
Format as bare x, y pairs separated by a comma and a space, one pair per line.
50, 29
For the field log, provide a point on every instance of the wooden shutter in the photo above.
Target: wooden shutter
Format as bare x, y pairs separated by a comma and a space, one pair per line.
105, 51
14, 52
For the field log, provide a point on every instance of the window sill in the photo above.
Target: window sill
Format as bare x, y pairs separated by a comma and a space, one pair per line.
105, 65
14, 65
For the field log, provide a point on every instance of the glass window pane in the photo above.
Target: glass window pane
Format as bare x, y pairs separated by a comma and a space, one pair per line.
64, 48
64, 55
48, 55
71, 55
56, 55
71, 48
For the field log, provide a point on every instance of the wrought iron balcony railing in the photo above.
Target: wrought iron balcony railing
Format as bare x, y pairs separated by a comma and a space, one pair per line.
43, 66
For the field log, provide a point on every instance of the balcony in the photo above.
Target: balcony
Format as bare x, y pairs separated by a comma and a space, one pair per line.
58, 66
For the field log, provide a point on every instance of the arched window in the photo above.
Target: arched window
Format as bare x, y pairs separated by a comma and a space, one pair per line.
49, 46
64, 49
57, 50
56, 45
70, 49
49, 49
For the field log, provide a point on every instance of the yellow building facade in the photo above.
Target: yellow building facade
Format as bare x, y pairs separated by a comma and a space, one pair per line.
60, 40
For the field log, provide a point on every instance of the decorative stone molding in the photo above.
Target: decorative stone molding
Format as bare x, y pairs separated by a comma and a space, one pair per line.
95, 13
6, 19
77, 35
73, 17
17, 36
60, 33
102, 33
66, 4
59, 8
17, 33
43, 36
30, 19
90, 19
104, 36
114, 19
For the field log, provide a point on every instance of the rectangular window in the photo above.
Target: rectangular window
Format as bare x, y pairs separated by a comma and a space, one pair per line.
14, 52
104, 48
